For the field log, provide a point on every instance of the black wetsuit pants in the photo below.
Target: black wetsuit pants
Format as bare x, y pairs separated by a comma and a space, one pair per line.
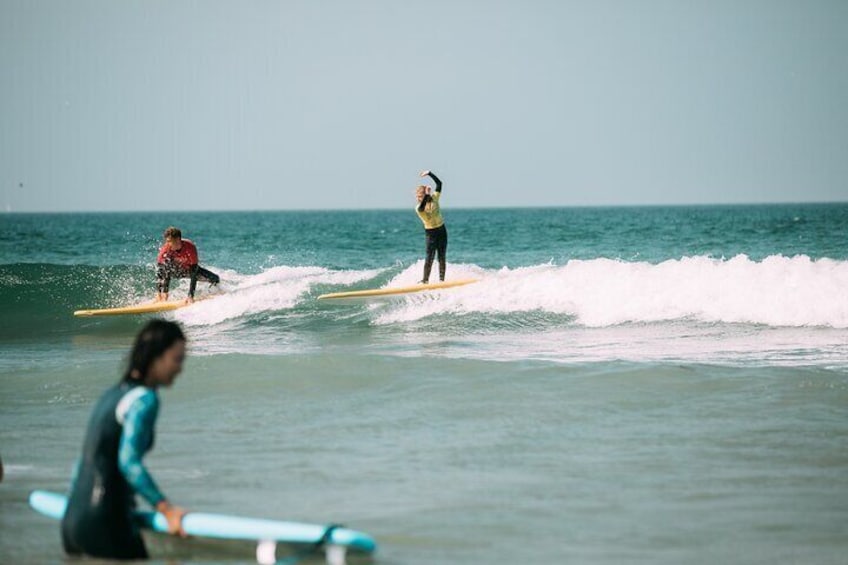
108, 534
165, 272
437, 241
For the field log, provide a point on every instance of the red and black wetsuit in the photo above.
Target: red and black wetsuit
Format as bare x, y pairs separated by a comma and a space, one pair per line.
181, 264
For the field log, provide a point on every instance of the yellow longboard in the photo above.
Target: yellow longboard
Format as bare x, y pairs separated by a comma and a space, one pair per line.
392, 291
151, 307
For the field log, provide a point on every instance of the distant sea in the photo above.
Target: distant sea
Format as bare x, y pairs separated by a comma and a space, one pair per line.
623, 385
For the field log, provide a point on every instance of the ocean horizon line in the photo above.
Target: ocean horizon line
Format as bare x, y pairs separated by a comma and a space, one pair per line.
452, 208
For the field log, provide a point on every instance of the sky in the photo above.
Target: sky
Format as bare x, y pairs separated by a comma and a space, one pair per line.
243, 105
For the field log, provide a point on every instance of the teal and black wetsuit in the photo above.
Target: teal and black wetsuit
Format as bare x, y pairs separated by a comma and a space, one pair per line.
98, 521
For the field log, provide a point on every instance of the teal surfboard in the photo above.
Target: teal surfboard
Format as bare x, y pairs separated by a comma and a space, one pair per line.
266, 533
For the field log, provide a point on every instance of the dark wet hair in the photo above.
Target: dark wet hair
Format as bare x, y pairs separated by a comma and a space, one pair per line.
173, 233
154, 339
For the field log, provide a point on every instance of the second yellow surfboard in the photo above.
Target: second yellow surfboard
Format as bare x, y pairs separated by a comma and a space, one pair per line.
392, 291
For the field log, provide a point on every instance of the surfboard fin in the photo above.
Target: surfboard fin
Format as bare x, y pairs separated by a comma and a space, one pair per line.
266, 551
336, 554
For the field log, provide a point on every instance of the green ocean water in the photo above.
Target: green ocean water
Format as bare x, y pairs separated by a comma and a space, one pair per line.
623, 385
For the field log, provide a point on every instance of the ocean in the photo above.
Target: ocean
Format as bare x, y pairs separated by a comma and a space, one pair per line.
623, 385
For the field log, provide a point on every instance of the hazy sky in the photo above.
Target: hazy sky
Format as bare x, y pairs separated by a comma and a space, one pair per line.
125, 105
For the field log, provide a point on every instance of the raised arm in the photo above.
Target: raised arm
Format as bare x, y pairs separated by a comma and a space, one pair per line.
435, 179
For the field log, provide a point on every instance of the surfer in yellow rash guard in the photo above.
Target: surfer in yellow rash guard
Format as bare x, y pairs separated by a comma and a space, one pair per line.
434, 226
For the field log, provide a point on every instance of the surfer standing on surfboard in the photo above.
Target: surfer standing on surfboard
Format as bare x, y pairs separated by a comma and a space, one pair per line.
436, 233
178, 259
98, 521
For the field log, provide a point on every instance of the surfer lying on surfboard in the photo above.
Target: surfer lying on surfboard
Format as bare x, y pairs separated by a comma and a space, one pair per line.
436, 233
98, 521
178, 259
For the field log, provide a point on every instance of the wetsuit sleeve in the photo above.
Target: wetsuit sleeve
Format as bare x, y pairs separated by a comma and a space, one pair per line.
427, 198
436, 180
136, 439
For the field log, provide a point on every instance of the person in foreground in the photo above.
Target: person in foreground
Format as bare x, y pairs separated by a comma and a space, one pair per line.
98, 521
434, 226
178, 259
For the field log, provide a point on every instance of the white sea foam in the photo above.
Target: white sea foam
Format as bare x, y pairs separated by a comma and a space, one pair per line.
278, 288
777, 291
